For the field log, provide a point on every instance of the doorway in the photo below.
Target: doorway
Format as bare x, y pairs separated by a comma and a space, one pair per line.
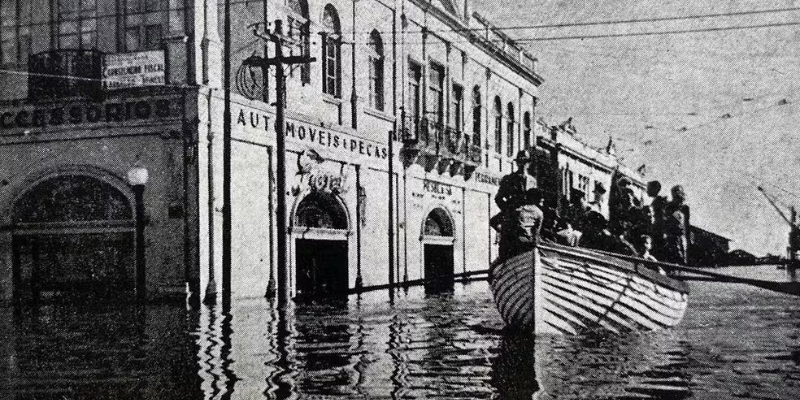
321, 268
321, 248
73, 239
437, 240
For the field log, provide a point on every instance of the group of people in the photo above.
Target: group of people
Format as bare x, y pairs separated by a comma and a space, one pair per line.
658, 231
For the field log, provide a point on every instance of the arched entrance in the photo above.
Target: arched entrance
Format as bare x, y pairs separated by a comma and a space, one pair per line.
320, 231
437, 241
73, 235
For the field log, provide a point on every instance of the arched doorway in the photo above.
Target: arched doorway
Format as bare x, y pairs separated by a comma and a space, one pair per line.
437, 241
320, 228
73, 235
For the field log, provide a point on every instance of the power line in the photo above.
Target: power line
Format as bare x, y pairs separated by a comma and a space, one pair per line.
656, 33
627, 21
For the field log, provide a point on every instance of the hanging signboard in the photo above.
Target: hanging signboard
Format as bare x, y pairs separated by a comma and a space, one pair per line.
141, 68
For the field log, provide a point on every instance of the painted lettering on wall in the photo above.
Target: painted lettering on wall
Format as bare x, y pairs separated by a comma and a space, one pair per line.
309, 134
80, 113
484, 178
436, 187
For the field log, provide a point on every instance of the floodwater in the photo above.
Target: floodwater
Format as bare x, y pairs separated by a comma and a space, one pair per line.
735, 342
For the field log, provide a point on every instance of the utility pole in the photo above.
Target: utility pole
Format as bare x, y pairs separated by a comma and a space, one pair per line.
391, 215
226, 163
280, 148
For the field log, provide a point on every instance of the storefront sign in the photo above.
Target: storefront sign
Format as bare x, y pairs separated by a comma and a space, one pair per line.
142, 68
436, 187
310, 134
485, 178
79, 113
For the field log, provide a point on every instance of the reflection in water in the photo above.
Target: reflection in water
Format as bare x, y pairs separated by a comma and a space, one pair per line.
97, 351
214, 342
514, 368
735, 341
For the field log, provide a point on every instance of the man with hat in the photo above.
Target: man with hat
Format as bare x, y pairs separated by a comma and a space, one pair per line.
676, 227
511, 194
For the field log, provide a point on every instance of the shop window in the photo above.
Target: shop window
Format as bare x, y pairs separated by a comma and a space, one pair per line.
376, 57
331, 53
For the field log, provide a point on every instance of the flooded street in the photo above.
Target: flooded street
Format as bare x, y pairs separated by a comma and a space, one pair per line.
735, 341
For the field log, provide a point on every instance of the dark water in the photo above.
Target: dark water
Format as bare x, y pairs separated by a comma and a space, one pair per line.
735, 342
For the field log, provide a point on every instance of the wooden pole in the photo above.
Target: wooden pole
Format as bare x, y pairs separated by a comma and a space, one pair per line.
226, 162
280, 141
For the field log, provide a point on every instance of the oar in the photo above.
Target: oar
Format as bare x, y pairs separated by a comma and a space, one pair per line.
792, 288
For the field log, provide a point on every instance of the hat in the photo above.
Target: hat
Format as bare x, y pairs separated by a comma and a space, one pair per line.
623, 181
523, 155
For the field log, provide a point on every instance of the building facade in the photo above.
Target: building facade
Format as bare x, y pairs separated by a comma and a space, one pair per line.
92, 89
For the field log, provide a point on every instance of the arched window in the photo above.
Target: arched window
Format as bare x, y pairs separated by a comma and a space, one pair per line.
376, 71
526, 123
510, 130
298, 30
331, 53
477, 112
498, 125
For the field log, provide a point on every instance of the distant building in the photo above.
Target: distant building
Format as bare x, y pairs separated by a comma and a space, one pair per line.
740, 257
708, 248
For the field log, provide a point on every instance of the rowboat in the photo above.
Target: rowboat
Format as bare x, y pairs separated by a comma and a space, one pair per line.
566, 290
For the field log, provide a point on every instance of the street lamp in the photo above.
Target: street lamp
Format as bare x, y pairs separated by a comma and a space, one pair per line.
137, 178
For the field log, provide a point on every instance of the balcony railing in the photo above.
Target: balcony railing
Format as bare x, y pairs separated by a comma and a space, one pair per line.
64, 73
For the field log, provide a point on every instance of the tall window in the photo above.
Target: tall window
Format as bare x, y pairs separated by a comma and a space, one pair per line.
457, 108
498, 125
414, 90
477, 113
144, 21
376, 71
15, 17
77, 24
331, 53
297, 30
526, 135
510, 128
436, 86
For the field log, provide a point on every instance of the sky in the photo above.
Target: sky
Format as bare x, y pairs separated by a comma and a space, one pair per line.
716, 111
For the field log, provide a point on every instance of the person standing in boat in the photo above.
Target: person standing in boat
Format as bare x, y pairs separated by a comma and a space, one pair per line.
676, 227
524, 224
511, 194
657, 206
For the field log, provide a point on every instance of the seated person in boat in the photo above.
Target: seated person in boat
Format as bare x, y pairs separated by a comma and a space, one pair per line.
597, 235
523, 225
645, 246
624, 207
567, 235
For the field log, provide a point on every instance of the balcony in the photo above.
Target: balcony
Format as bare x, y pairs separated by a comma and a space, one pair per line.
65, 73
436, 145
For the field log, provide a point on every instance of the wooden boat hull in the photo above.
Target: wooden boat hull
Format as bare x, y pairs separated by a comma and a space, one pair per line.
558, 289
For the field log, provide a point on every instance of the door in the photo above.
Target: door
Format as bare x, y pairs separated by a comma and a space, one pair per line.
438, 268
321, 269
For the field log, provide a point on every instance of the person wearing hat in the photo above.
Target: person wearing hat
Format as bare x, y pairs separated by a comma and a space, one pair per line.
676, 227
658, 205
511, 194
624, 206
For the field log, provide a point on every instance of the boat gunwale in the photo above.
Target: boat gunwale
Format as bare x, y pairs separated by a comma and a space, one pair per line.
619, 263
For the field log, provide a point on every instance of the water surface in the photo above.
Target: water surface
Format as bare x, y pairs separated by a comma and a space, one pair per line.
735, 342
